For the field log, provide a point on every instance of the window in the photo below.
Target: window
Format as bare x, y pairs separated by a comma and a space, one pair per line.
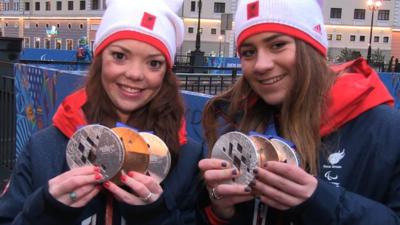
213, 31
46, 43
338, 37
329, 37
81, 26
95, 4
70, 44
37, 42
219, 7
192, 6
26, 42
37, 6
190, 30
352, 37
82, 5
385, 39
359, 14
383, 15
27, 6
58, 43
70, 5
376, 38
362, 38
59, 5
69, 26
336, 13
47, 6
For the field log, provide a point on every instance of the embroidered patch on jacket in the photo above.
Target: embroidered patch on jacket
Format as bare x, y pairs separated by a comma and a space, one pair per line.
148, 21
318, 29
252, 10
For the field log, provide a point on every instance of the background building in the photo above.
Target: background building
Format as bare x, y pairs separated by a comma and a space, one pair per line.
348, 24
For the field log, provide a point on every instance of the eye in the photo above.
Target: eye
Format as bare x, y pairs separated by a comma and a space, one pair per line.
119, 56
279, 45
156, 64
247, 53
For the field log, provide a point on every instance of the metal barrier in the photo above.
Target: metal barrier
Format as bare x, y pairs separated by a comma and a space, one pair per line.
7, 122
211, 84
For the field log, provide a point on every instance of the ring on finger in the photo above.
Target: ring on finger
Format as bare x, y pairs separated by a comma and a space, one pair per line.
147, 198
72, 195
213, 194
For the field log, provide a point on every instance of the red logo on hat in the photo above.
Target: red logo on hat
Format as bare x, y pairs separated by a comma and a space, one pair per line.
148, 21
318, 29
252, 10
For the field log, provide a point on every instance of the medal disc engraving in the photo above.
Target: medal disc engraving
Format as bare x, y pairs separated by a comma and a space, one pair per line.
96, 145
137, 154
160, 157
238, 149
285, 152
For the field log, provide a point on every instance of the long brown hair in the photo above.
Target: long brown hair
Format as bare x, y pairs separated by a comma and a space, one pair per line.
163, 114
298, 119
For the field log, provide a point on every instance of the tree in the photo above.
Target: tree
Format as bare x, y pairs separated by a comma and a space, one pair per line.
348, 55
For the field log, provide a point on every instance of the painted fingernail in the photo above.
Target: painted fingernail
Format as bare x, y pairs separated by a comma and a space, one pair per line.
96, 169
224, 164
234, 172
106, 184
233, 180
252, 183
130, 173
98, 176
247, 189
284, 161
255, 171
265, 165
123, 178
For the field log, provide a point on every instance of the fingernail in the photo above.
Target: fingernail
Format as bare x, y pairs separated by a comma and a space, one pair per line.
252, 183
265, 165
234, 172
247, 189
106, 184
98, 176
284, 161
255, 171
130, 173
224, 164
96, 169
233, 179
123, 178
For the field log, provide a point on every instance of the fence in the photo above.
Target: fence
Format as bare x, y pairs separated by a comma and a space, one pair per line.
7, 122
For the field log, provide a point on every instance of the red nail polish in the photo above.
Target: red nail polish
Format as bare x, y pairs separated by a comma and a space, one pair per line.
97, 176
123, 178
130, 173
97, 169
106, 184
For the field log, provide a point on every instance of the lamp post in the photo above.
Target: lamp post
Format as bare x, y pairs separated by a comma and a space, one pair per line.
198, 27
220, 42
372, 5
197, 56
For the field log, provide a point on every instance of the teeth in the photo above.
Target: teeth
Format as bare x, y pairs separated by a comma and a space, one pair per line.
272, 80
129, 89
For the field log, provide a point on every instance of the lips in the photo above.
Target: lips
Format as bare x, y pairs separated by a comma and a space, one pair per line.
273, 80
129, 89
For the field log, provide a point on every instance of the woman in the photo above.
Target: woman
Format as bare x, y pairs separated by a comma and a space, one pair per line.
130, 81
345, 132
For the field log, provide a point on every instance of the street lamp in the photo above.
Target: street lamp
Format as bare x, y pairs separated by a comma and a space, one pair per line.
198, 27
372, 5
219, 49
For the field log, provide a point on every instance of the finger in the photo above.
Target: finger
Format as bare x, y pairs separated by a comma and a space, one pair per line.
274, 204
213, 164
275, 195
58, 188
86, 196
84, 170
214, 177
126, 196
290, 172
232, 190
148, 181
141, 190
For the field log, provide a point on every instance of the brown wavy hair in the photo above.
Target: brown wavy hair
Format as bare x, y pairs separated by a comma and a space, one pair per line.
299, 118
163, 114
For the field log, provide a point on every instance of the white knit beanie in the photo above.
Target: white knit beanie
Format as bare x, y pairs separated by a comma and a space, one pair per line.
151, 21
301, 19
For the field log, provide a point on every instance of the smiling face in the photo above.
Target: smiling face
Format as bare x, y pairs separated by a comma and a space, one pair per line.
132, 74
268, 64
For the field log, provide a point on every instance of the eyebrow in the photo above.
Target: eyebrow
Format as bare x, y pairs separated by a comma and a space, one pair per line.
265, 40
126, 50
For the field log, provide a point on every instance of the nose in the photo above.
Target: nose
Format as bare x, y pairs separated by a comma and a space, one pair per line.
134, 71
264, 62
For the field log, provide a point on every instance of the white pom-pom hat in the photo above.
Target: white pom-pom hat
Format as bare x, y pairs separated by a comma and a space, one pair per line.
300, 19
151, 21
